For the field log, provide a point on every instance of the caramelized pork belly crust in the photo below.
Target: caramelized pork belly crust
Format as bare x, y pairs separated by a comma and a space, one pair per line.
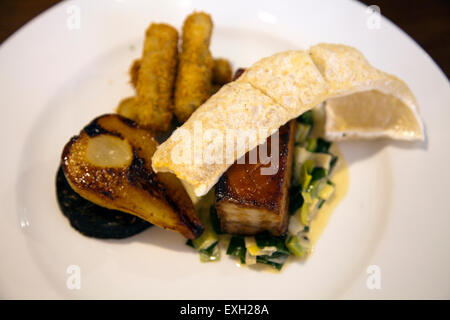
248, 202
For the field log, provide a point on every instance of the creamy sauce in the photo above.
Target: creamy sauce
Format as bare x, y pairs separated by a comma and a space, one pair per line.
341, 179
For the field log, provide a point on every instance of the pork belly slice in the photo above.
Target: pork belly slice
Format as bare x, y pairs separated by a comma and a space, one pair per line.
248, 202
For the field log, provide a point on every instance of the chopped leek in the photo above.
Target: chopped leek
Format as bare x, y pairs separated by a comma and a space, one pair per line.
311, 144
251, 245
304, 214
301, 155
306, 118
304, 241
295, 226
326, 192
265, 240
250, 259
312, 207
295, 248
276, 260
333, 162
320, 204
190, 243
295, 199
212, 253
255, 250
316, 187
207, 244
318, 173
322, 146
237, 248
321, 160
305, 173
205, 240
307, 198
301, 132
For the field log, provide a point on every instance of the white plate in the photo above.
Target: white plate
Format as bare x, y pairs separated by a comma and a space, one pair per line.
54, 79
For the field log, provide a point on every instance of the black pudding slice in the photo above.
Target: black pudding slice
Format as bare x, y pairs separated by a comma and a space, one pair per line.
93, 220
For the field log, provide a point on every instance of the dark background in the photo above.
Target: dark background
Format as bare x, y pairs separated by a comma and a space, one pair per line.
426, 21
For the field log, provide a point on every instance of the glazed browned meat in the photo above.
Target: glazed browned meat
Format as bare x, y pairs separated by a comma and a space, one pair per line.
248, 202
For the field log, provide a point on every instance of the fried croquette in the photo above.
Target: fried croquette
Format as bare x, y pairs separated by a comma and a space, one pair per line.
193, 82
134, 72
156, 77
128, 108
221, 73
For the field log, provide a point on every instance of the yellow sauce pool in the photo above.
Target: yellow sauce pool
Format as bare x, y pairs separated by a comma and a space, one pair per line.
340, 177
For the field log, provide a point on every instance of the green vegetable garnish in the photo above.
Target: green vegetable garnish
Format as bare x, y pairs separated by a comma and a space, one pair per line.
237, 248
306, 118
322, 146
311, 144
190, 243
305, 173
301, 132
333, 163
276, 260
296, 199
205, 240
326, 191
295, 248
267, 240
212, 253
207, 244
304, 214
321, 202
318, 173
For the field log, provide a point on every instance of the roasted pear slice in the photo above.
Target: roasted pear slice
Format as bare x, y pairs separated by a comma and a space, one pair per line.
109, 164
93, 220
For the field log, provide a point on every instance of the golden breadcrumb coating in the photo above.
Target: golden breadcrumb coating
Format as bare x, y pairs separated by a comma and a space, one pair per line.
156, 76
193, 82
134, 72
221, 73
127, 108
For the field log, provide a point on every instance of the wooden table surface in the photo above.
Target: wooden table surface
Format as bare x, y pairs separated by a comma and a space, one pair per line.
426, 21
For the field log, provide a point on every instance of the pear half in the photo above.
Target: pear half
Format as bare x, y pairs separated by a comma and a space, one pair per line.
109, 164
